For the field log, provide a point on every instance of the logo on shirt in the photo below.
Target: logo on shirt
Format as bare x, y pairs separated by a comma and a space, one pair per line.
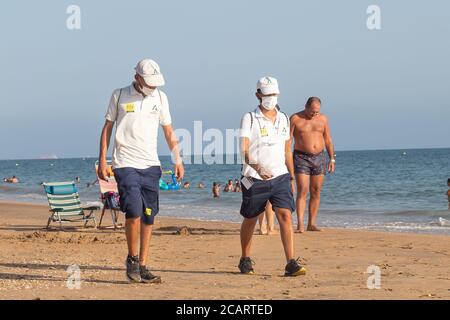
155, 108
264, 132
129, 107
284, 131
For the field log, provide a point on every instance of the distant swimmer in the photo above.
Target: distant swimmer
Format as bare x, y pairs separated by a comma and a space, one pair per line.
186, 185
229, 186
12, 179
448, 193
237, 187
216, 190
201, 185
77, 179
311, 134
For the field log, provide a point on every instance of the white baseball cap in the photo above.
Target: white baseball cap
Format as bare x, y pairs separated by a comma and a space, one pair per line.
268, 85
150, 72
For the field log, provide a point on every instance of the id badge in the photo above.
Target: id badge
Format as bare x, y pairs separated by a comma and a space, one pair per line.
247, 182
264, 132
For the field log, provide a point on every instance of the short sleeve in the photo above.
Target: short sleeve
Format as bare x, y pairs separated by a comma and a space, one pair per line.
245, 129
164, 116
111, 113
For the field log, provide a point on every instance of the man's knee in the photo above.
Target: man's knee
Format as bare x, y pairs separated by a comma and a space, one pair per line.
302, 193
284, 215
315, 191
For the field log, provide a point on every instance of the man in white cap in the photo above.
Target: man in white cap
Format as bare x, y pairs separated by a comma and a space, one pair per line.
267, 173
137, 111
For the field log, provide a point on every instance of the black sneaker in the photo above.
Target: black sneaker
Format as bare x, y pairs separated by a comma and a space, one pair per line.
133, 272
246, 266
148, 277
293, 269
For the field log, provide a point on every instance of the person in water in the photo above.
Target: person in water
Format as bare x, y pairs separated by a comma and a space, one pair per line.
201, 185
229, 186
186, 185
448, 193
237, 187
12, 179
216, 190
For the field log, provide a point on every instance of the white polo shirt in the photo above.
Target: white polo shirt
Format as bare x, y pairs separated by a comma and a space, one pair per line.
267, 142
137, 122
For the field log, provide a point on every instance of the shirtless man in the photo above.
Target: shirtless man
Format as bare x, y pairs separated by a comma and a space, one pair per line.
311, 134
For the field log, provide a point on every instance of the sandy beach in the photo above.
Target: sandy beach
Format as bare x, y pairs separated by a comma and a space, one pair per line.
201, 263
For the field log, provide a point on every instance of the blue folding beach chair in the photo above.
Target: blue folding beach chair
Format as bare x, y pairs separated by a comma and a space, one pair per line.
65, 204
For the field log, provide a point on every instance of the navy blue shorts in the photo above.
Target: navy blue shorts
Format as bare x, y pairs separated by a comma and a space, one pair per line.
139, 192
278, 191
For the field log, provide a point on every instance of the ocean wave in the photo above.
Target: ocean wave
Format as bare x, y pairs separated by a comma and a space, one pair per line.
443, 222
423, 213
32, 196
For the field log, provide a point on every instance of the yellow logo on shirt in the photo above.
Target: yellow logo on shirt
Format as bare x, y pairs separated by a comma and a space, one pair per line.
129, 107
264, 132
148, 211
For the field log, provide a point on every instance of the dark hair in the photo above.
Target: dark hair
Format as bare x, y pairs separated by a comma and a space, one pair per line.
448, 180
311, 100
214, 184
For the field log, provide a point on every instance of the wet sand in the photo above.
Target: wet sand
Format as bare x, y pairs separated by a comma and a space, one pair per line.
200, 262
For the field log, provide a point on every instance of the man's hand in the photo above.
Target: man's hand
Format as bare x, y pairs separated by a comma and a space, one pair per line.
331, 167
178, 170
263, 173
293, 185
103, 173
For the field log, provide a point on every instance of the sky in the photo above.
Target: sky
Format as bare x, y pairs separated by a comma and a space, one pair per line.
381, 89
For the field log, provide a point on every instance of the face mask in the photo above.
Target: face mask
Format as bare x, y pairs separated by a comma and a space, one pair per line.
269, 103
145, 90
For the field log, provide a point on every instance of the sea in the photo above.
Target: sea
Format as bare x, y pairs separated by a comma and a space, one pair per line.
387, 190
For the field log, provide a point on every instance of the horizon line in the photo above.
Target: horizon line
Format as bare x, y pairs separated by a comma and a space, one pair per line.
225, 154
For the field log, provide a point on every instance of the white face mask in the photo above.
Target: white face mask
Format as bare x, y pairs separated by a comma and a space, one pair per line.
269, 103
145, 90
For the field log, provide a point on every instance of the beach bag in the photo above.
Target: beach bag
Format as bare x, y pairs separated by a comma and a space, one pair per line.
112, 200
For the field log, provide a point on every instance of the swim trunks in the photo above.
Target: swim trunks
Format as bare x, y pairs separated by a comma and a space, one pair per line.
309, 163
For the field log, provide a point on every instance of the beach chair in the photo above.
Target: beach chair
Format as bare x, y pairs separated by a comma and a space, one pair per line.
108, 189
65, 204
